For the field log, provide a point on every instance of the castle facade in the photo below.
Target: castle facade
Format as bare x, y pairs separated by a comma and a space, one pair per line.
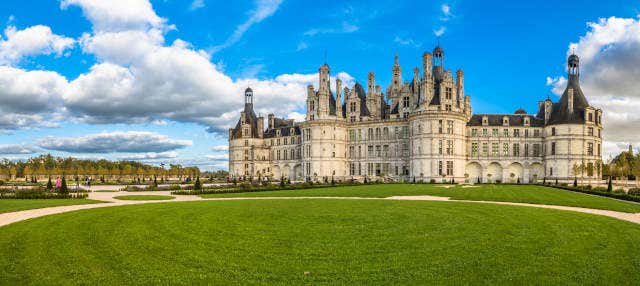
422, 130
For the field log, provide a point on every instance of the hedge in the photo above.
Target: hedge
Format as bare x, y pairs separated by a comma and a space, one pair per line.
600, 192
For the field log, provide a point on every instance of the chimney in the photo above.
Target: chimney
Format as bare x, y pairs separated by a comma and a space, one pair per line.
547, 110
338, 98
570, 100
272, 121
260, 126
426, 65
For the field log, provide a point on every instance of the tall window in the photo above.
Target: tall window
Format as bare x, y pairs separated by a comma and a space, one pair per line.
516, 149
474, 149
312, 105
474, 132
449, 168
352, 107
590, 131
589, 149
448, 93
405, 101
536, 150
505, 149
553, 131
485, 149
370, 151
440, 147
449, 147
505, 132
449, 126
495, 132
516, 132
495, 149
553, 148
526, 150
440, 126
440, 171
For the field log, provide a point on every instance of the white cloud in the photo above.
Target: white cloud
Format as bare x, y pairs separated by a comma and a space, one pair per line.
406, 42
32, 41
345, 28
30, 98
440, 31
609, 72
114, 142
17, 149
264, 9
118, 15
218, 157
196, 4
446, 12
220, 148
302, 46
150, 156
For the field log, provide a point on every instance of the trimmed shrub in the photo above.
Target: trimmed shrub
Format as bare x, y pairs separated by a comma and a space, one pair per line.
197, 185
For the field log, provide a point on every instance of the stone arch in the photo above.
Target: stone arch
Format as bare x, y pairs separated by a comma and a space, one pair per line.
515, 172
473, 172
536, 172
494, 172
297, 172
276, 172
286, 171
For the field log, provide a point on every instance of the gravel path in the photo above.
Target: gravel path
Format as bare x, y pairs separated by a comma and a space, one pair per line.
108, 198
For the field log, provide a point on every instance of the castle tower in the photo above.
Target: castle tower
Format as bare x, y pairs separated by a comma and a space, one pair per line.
572, 131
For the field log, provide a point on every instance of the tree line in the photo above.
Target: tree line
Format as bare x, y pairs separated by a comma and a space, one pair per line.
43, 167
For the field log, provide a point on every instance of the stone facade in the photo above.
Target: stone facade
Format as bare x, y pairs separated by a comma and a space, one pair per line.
421, 130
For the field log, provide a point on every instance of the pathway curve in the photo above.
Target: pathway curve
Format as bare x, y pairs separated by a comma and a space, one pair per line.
109, 201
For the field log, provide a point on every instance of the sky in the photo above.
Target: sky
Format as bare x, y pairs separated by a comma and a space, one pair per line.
161, 81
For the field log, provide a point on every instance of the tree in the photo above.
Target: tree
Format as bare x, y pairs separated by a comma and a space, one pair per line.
63, 187
609, 186
197, 185
575, 182
49, 185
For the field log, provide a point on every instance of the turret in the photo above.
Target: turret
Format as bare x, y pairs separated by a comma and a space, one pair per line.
323, 83
371, 82
397, 73
248, 99
272, 120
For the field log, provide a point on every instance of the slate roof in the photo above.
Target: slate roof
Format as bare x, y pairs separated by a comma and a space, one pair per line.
560, 110
251, 119
514, 120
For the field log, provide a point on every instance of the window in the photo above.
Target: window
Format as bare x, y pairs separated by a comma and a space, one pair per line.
405, 149
378, 151
405, 115
352, 169
448, 93
359, 134
495, 132
449, 168
526, 150
447, 107
385, 151
312, 105
485, 132
352, 107
505, 149
553, 131
516, 150
405, 102
285, 141
370, 151
590, 131
505, 132
352, 118
589, 149
495, 149
278, 157
516, 132
311, 117
284, 153
474, 132
590, 117
385, 133
553, 148
449, 147
440, 126
359, 151
440, 168
598, 149
550, 171
536, 133
536, 150
405, 131
378, 133
526, 133
246, 143
352, 135
485, 149
474, 149
449, 126
440, 147
370, 134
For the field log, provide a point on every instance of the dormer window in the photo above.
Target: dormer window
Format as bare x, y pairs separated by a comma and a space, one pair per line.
505, 121
526, 121
485, 120
590, 115
278, 133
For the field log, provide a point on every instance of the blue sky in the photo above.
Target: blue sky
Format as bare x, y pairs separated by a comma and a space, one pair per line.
115, 74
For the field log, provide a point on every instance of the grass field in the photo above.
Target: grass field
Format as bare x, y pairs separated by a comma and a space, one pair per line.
504, 193
144, 197
20, 205
337, 241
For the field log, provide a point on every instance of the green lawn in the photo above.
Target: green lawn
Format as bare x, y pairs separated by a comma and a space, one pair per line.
20, 205
504, 193
144, 197
338, 241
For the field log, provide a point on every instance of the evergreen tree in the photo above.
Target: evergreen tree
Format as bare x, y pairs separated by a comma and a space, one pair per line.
556, 181
282, 182
609, 186
365, 180
155, 181
544, 180
49, 185
63, 187
197, 185
575, 182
